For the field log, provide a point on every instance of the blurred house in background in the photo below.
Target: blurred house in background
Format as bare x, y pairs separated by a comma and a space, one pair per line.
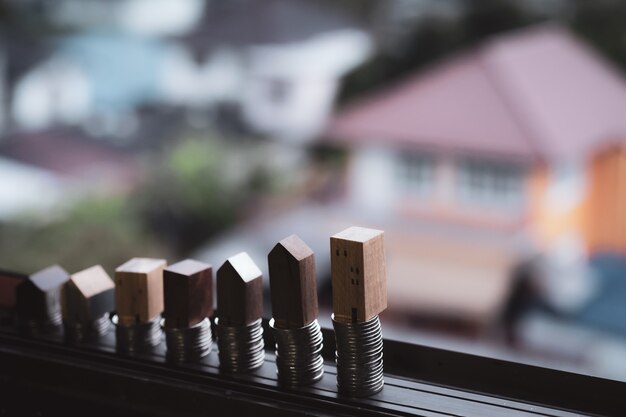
276, 65
91, 80
526, 131
27, 190
279, 61
44, 172
69, 154
468, 167
145, 18
521, 139
496, 173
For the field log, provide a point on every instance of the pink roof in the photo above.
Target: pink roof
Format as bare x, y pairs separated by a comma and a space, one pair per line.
537, 92
71, 155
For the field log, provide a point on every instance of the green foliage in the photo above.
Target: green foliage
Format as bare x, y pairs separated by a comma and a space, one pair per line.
432, 38
485, 18
601, 22
96, 231
197, 189
191, 192
185, 198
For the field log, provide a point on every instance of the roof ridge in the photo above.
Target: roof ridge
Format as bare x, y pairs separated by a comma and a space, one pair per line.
494, 78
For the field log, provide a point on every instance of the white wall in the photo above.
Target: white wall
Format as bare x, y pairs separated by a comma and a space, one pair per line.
56, 91
379, 182
141, 17
25, 189
372, 180
567, 186
297, 113
307, 75
185, 82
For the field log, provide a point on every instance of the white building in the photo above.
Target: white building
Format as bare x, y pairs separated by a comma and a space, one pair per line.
282, 75
25, 189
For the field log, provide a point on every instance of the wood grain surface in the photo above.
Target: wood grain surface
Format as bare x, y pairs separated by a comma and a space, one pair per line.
293, 283
188, 293
39, 297
88, 295
139, 290
239, 291
359, 279
9, 281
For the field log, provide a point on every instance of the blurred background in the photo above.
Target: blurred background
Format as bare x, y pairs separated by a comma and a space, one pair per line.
486, 138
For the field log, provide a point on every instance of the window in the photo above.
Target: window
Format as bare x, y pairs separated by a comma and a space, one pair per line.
416, 174
490, 183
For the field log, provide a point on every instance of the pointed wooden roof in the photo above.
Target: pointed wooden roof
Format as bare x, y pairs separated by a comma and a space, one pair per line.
243, 266
50, 278
92, 281
239, 291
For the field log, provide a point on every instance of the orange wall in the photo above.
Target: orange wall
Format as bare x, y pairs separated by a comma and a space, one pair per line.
606, 222
599, 219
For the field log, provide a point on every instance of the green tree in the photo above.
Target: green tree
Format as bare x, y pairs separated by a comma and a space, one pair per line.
197, 189
432, 38
95, 231
601, 22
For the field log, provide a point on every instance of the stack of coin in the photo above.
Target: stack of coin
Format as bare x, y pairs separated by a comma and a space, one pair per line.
298, 354
189, 344
139, 337
78, 332
359, 357
240, 347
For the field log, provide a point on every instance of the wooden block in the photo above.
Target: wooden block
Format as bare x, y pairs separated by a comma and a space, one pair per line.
88, 295
292, 283
239, 291
139, 290
188, 292
358, 274
39, 297
9, 282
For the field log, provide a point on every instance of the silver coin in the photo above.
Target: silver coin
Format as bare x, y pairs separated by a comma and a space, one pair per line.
76, 332
189, 344
140, 337
298, 354
359, 357
241, 348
